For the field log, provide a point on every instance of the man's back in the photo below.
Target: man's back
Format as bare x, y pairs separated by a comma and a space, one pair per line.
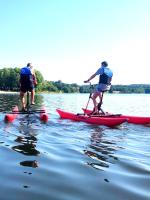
26, 79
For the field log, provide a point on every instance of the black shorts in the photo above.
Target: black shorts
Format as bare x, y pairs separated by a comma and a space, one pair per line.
26, 82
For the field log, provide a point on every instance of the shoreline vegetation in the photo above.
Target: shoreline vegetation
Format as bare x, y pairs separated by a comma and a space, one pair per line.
10, 83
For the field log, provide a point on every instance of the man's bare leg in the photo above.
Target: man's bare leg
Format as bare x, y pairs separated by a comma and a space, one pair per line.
22, 97
95, 95
32, 97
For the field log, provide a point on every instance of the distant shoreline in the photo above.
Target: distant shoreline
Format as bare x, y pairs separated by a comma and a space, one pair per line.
48, 92
8, 92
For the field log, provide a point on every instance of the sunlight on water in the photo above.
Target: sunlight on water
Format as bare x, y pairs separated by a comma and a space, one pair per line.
62, 159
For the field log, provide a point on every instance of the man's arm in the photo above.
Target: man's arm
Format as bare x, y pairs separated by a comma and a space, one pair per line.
93, 76
34, 77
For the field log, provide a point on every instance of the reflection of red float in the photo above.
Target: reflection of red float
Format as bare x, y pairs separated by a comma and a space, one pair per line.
130, 119
10, 117
106, 121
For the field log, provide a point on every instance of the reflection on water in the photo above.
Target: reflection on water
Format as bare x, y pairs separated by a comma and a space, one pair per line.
101, 150
27, 147
7, 101
29, 163
27, 143
64, 160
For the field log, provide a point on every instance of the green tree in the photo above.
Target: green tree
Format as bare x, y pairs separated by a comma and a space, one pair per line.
40, 80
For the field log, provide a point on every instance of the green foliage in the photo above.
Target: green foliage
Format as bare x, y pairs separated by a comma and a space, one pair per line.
48, 86
134, 88
40, 80
10, 81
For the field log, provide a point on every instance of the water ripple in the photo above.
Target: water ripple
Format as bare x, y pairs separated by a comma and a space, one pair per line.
66, 160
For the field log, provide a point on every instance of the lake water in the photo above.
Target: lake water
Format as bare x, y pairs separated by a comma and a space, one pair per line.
66, 160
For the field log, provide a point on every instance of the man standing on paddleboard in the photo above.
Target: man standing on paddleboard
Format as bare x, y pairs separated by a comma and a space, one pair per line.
105, 77
27, 83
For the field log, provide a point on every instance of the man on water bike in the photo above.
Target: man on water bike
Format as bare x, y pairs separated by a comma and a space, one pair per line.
27, 83
105, 77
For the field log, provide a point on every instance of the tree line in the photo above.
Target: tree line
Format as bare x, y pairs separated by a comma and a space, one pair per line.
10, 82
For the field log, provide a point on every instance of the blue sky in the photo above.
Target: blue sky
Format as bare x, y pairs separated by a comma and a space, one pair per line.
67, 39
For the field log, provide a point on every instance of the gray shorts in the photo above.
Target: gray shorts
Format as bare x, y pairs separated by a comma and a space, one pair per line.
102, 87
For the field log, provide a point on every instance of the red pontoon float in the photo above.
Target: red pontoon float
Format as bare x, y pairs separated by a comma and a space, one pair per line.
130, 119
106, 121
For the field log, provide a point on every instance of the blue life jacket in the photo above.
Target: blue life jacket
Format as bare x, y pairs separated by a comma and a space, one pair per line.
25, 71
26, 77
106, 77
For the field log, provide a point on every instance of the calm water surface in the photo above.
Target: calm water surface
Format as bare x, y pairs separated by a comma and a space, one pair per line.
65, 160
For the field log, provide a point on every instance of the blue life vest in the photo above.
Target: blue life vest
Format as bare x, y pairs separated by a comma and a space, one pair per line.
26, 77
106, 77
25, 71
